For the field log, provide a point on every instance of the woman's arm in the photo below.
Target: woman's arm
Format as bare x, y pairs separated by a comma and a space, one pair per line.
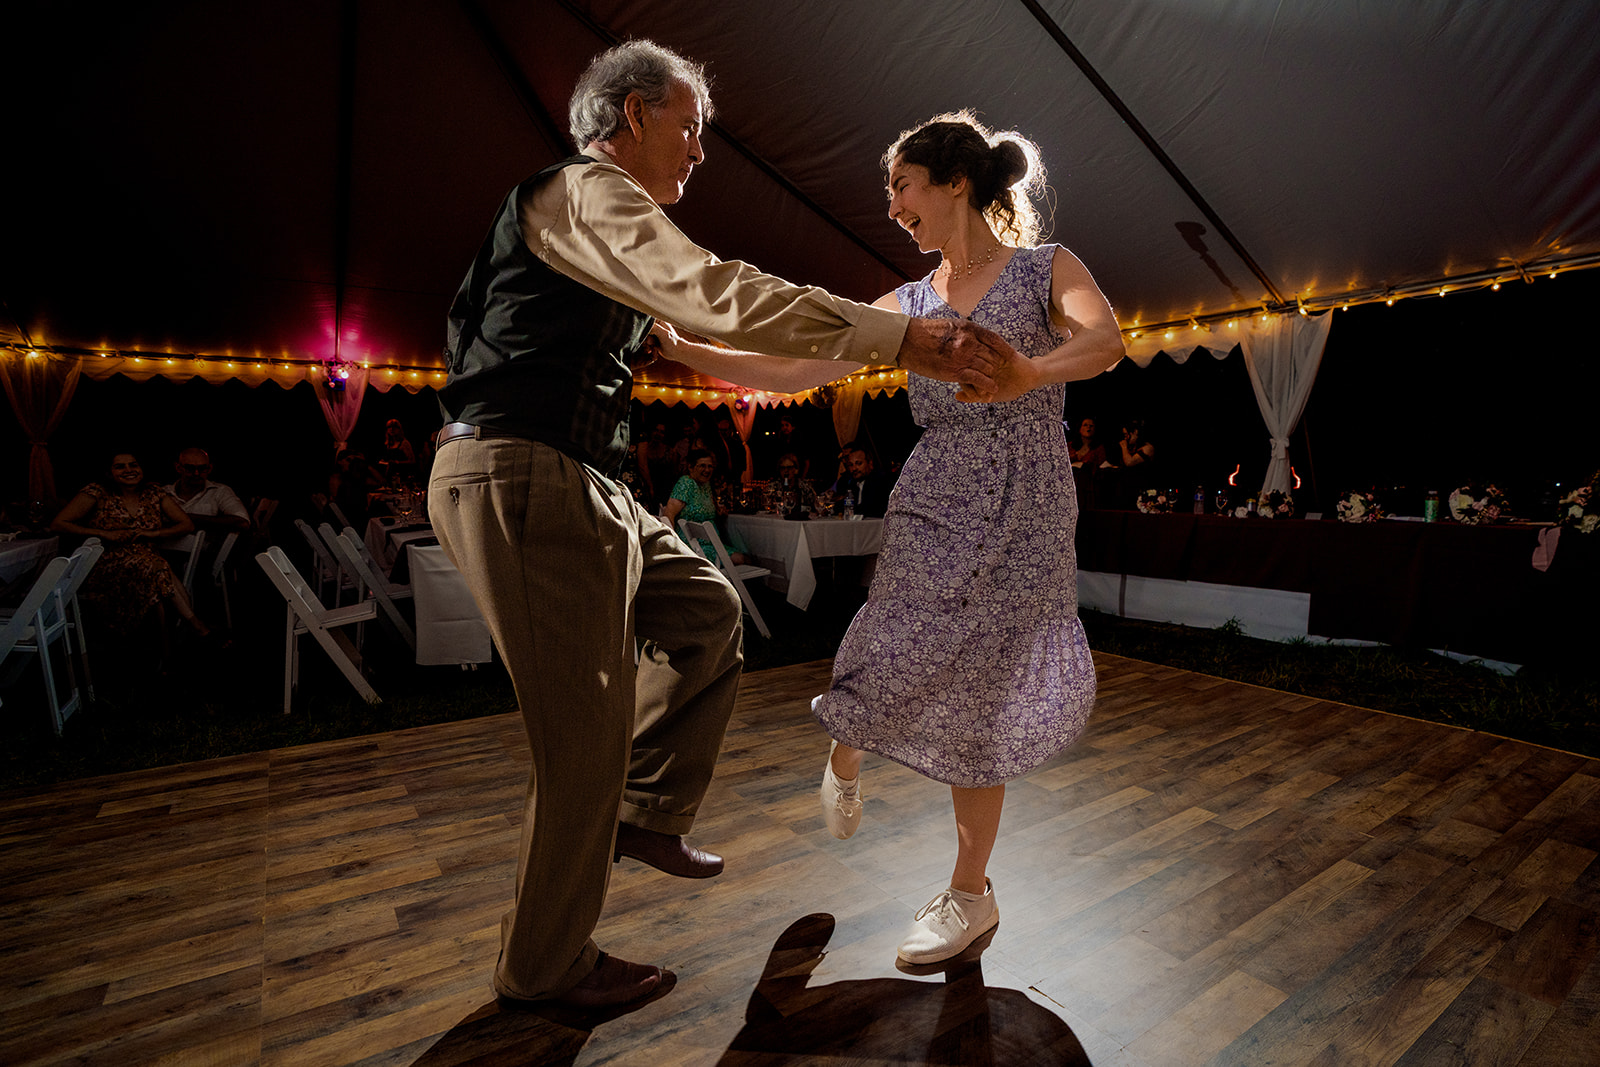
73, 519
1078, 307
178, 521
673, 508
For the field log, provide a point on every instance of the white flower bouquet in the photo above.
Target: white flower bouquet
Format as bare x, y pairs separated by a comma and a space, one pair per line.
1155, 501
1359, 507
1580, 509
1475, 506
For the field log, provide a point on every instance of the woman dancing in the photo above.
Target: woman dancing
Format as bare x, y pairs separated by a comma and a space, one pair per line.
968, 662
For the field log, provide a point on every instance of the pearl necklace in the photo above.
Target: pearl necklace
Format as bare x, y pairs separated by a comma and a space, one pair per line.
950, 270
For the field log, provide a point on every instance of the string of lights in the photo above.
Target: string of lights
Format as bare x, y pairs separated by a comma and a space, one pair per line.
287, 369
1388, 294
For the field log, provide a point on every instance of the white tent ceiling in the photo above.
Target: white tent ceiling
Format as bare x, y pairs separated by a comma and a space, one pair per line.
239, 177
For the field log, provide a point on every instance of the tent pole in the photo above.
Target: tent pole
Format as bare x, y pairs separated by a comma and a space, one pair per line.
1126, 114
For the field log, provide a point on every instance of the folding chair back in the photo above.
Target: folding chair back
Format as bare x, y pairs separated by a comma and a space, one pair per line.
306, 614
368, 581
191, 567
36, 624
79, 564
736, 573
219, 574
325, 565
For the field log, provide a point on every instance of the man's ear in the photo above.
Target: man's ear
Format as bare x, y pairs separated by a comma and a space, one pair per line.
633, 108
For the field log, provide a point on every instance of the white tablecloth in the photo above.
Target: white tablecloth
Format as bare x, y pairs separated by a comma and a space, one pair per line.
449, 627
795, 544
20, 558
386, 543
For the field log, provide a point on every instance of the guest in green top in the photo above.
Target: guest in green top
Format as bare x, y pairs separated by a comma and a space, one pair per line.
694, 499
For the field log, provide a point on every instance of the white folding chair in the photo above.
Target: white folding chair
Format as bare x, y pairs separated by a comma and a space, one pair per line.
219, 574
306, 615
370, 581
736, 573
79, 564
39, 621
326, 566
338, 514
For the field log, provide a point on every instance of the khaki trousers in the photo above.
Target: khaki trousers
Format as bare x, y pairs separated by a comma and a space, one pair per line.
567, 570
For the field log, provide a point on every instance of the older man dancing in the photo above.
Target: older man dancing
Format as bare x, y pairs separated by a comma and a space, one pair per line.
566, 568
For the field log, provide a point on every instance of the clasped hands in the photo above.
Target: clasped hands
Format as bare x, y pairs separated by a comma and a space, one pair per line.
986, 368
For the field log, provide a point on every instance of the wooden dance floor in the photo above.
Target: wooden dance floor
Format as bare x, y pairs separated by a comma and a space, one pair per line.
1217, 874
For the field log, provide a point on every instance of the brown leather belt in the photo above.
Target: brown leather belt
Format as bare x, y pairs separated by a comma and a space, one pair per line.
455, 431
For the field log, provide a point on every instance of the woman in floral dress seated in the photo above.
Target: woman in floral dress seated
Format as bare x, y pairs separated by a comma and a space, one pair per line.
129, 513
695, 499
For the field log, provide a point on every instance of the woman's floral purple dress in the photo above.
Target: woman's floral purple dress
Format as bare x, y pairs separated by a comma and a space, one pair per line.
968, 662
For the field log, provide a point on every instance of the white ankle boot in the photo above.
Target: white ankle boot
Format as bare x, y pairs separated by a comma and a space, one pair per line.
950, 922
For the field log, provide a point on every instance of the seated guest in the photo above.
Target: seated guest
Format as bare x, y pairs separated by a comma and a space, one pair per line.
1134, 450
349, 487
729, 447
399, 462
128, 514
212, 506
1088, 456
787, 440
1086, 451
787, 477
659, 463
870, 489
1129, 473
694, 499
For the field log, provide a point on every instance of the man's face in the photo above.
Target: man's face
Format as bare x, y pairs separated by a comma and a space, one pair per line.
193, 467
668, 146
860, 464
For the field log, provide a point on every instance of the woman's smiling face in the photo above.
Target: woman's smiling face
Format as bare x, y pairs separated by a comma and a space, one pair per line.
125, 469
922, 209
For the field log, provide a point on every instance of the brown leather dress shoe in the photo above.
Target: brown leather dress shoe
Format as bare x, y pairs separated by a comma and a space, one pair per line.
613, 982
668, 853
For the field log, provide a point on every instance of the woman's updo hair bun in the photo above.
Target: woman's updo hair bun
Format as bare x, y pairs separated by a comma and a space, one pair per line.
1010, 163
1003, 169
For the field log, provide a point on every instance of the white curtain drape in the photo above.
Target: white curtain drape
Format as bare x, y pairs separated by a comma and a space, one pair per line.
743, 422
342, 408
1282, 355
847, 398
39, 388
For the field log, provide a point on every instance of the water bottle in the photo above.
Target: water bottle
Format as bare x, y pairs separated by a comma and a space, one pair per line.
1199, 500
1430, 506
850, 503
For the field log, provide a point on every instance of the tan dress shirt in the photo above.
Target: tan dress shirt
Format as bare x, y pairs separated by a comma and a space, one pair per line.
599, 227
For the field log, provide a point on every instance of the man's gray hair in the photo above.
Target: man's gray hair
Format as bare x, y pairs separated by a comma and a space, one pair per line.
642, 67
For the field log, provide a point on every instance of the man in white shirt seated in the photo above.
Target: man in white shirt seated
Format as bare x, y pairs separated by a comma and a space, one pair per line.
214, 507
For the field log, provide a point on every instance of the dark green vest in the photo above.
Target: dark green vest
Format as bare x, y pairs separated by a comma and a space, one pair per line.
533, 353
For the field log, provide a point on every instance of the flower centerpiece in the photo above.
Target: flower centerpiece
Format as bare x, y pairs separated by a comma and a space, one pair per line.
1359, 507
1580, 509
1473, 505
1275, 505
1155, 501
